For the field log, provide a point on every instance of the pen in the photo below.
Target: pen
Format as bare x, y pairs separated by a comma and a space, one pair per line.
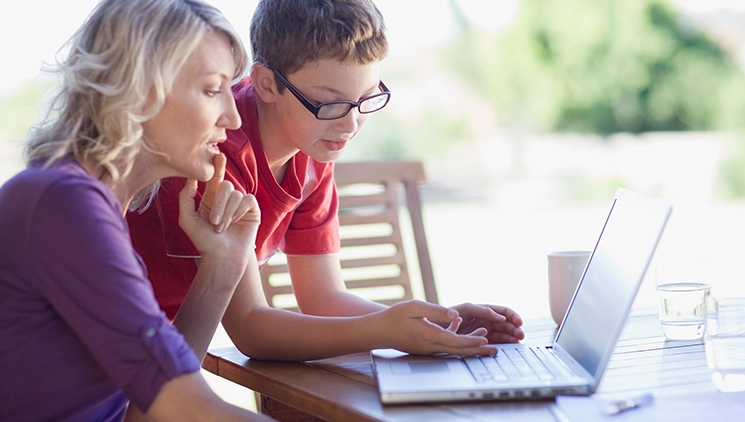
624, 405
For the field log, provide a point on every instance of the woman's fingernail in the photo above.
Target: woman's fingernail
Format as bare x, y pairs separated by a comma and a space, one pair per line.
221, 228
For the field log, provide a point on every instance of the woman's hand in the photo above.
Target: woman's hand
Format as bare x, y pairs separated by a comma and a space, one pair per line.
226, 223
501, 324
223, 230
417, 327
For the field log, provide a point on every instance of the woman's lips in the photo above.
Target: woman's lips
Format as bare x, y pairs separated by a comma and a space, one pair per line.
212, 146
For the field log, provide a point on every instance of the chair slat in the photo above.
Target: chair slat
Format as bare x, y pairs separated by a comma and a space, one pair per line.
398, 259
378, 282
376, 204
357, 219
381, 199
371, 241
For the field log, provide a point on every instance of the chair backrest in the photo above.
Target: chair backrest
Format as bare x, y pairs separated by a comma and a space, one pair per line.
373, 238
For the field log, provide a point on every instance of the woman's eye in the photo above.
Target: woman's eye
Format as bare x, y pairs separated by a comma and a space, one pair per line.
212, 93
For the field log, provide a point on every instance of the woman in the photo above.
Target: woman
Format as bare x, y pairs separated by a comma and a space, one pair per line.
145, 95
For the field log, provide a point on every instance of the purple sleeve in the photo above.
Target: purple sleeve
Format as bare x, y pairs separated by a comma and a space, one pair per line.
88, 271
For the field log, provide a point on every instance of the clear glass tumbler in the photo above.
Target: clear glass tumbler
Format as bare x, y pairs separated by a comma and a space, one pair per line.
682, 294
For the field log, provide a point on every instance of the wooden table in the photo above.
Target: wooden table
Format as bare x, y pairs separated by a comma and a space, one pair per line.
344, 388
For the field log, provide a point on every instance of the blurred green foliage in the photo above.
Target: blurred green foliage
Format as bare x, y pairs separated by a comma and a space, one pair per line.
429, 134
584, 190
594, 66
20, 109
732, 174
599, 66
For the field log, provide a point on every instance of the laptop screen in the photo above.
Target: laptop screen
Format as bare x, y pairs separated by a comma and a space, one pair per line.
611, 279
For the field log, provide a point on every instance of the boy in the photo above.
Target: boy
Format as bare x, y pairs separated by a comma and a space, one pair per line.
314, 82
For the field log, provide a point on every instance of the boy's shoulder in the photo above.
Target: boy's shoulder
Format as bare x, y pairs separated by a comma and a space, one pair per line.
242, 83
243, 90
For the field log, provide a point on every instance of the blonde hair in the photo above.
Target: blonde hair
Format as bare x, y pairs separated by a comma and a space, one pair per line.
287, 34
120, 68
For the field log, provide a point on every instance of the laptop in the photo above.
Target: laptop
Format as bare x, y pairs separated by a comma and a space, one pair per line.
574, 363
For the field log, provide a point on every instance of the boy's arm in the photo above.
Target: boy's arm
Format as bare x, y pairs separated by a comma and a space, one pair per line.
263, 332
320, 290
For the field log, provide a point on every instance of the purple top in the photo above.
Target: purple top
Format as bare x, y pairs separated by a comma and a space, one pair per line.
80, 330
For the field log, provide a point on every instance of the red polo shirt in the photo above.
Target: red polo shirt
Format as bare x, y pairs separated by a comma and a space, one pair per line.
298, 217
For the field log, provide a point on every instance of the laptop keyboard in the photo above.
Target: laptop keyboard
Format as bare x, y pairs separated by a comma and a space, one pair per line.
510, 364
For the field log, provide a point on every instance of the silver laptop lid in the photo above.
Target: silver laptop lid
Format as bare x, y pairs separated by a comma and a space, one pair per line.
611, 280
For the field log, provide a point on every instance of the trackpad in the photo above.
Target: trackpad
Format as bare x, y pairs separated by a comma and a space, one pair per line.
419, 367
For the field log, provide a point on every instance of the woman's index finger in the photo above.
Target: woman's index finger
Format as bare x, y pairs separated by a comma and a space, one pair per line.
211, 187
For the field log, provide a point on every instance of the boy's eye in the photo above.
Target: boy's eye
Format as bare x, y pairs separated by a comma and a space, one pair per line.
212, 93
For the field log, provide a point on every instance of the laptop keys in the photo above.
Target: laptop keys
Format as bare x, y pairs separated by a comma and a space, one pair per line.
479, 371
509, 364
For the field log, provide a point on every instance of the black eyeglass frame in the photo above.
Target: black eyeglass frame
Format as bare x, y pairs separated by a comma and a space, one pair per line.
315, 109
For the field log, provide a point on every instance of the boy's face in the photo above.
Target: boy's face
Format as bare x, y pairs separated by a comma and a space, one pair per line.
321, 81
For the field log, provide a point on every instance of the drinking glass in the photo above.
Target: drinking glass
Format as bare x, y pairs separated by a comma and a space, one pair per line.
682, 293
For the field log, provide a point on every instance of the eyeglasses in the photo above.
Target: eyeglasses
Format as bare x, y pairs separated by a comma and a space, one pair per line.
338, 109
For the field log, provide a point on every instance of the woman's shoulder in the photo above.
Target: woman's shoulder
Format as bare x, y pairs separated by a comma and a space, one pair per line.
39, 177
63, 181
39, 174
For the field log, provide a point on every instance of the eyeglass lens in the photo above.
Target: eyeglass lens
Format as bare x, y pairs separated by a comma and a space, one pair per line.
337, 110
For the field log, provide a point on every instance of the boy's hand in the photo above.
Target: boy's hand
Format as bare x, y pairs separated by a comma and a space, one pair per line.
417, 327
502, 324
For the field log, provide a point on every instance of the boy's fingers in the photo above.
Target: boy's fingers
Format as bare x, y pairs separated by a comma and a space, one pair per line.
455, 324
436, 313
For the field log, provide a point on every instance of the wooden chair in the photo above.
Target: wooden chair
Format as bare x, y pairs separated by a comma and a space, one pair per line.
374, 241
374, 237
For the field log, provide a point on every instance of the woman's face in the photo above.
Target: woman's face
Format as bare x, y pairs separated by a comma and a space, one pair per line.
196, 114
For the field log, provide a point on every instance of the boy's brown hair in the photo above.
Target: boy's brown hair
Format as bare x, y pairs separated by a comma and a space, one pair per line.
287, 34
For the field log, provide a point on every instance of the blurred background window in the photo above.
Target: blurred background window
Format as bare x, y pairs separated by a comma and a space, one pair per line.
528, 115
